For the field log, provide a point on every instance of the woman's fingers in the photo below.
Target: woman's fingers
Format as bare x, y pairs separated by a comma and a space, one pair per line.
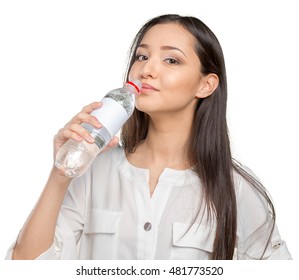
84, 115
91, 107
77, 132
74, 129
113, 143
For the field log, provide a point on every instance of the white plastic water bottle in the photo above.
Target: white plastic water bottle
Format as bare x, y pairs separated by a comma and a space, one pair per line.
118, 105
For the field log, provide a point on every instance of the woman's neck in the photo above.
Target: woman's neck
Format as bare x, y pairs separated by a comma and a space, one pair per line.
166, 142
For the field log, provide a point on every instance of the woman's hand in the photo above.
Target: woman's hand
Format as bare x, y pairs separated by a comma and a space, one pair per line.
74, 130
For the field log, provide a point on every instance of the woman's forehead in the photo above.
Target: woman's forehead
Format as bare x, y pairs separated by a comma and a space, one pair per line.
172, 34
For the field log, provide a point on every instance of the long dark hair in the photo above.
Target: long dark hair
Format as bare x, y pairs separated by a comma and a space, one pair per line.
209, 146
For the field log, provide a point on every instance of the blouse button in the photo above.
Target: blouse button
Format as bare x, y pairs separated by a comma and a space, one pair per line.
277, 245
147, 226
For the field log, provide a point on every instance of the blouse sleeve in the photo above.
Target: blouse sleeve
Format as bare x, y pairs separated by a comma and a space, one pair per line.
69, 224
257, 236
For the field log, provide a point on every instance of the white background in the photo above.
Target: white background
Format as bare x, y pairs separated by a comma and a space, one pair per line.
57, 56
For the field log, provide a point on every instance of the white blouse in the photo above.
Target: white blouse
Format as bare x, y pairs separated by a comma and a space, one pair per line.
108, 213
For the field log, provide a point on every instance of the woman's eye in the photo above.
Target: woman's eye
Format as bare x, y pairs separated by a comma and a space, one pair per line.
172, 61
141, 57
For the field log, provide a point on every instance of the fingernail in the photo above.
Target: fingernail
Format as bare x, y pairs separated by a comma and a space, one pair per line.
95, 122
78, 138
90, 139
98, 124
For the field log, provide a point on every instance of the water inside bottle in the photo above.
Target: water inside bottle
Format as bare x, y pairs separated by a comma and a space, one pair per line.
125, 100
76, 159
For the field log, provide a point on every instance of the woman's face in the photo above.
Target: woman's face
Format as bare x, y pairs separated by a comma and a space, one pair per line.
169, 69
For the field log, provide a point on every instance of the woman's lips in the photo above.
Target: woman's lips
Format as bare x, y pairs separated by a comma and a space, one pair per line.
146, 88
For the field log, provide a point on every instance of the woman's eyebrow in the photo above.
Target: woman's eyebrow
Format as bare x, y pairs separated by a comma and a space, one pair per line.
146, 46
172, 48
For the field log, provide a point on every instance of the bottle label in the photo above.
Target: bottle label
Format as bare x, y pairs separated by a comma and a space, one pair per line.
111, 115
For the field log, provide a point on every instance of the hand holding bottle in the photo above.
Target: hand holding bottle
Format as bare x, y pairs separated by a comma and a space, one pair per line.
75, 156
75, 131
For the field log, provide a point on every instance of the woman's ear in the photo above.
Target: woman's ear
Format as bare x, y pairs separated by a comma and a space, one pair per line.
207, 86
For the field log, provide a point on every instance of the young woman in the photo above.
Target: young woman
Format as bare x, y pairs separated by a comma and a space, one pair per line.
172, 189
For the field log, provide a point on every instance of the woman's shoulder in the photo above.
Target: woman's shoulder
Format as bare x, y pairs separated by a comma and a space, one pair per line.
247, 183
253, 199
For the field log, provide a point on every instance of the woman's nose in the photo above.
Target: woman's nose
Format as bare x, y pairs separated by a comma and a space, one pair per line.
149, 69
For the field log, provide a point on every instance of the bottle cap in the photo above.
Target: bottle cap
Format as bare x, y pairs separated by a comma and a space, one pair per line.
136, 84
